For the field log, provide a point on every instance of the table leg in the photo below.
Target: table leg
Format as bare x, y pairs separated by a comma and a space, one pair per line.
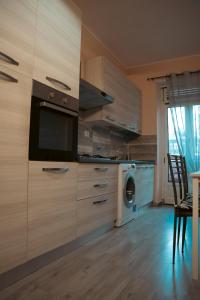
195, 223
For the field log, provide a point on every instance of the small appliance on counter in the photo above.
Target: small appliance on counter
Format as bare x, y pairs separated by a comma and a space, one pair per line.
53, 125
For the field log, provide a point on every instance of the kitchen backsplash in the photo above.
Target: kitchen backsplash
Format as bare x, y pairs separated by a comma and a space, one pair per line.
143, 148
98, 140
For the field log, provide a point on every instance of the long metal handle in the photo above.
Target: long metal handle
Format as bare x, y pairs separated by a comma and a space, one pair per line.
53, 80
7, 77
101, 169
122, 124
100, 185
106, 96
55, 170
100, 201
9, 59
110, 118
58, 108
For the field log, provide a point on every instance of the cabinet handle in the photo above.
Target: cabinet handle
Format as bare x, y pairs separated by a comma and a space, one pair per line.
110, 119
9, 59
53, 80
100, 185
122, 124
7, 77
101, 169
106, 96
55, 170
100, 201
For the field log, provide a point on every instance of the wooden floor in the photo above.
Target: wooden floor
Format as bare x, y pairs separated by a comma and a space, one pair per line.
132, 262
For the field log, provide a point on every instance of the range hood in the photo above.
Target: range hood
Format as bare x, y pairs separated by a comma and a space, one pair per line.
91, 97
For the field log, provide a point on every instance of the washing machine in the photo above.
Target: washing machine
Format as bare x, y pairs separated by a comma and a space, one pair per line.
126, 208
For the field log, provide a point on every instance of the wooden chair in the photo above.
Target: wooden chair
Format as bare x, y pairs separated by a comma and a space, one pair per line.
182, 198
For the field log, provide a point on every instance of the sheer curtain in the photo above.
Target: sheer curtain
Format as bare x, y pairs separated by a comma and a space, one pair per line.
184, 102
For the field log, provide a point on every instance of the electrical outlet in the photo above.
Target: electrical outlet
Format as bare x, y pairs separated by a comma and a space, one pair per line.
86, 133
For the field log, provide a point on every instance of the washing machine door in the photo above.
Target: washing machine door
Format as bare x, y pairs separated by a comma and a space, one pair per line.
129, 190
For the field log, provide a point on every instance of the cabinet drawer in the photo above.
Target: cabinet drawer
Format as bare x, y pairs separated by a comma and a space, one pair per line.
17, 34
92, 188
51, 206
94, 212
87, 171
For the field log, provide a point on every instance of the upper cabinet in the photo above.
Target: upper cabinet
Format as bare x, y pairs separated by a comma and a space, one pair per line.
17, 34
58, 38
125, 111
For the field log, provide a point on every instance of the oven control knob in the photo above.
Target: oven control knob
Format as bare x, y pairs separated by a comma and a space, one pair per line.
64, 100
51, 95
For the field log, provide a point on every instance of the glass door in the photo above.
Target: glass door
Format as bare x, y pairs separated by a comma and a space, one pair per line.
183, 137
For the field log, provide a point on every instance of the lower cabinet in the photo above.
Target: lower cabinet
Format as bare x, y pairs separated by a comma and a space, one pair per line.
94, 212
51, 205
96, 199
13, 214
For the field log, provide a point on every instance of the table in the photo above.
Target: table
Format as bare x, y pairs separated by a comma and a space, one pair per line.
195, 225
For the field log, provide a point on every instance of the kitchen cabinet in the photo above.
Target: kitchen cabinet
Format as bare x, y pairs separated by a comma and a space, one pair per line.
144, 183
125, 111
58, 38
96, 200
51, 205
17, 34
94, 212
15, 101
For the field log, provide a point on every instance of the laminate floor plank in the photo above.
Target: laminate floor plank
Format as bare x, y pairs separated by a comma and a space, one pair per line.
131, 262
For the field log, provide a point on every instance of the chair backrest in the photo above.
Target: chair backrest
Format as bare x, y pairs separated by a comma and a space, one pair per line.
178, 172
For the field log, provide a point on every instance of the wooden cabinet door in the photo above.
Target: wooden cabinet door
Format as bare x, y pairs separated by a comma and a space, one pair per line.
15, 103
17, 34
13, 214
57, 61
15, 100
51, 206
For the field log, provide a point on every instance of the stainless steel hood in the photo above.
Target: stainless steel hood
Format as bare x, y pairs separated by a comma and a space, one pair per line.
91, 97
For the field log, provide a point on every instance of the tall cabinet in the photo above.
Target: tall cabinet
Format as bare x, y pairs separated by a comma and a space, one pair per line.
39, 39
17, 32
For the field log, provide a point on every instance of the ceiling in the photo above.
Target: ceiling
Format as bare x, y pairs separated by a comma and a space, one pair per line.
143, 31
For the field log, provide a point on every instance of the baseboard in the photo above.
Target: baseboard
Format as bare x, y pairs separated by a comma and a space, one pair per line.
31, 266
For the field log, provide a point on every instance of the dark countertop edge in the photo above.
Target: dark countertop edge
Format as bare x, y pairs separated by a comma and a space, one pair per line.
120, 161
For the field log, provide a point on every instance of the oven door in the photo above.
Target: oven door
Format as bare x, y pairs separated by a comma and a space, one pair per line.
53, 132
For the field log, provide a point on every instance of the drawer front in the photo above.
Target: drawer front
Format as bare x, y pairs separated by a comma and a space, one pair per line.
94, 212
92, 188
87, 171
51, 206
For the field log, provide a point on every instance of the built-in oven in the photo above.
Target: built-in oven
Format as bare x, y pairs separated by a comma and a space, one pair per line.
53, 125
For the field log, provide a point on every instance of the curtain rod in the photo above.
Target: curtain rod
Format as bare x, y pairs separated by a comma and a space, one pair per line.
168, 75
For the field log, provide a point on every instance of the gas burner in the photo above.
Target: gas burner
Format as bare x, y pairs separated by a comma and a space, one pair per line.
97, 156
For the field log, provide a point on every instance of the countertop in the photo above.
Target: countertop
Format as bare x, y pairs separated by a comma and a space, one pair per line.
117, 161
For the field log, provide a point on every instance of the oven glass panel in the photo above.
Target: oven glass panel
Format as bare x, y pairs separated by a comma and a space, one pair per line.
55, 130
